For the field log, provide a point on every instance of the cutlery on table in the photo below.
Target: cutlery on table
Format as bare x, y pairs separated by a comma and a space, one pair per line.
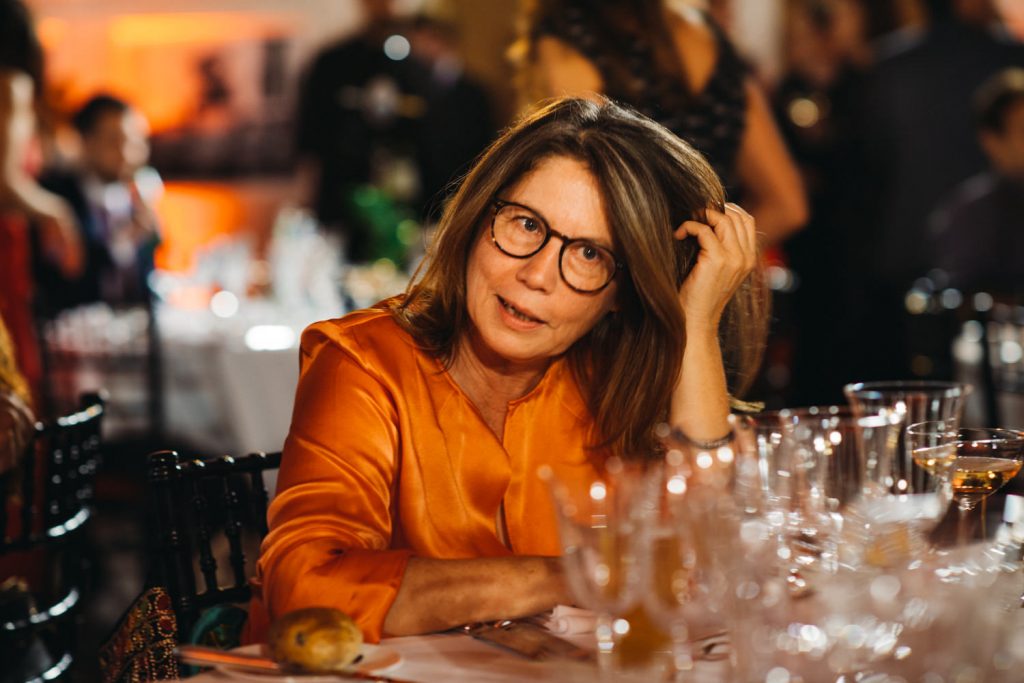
208, 656
527, 638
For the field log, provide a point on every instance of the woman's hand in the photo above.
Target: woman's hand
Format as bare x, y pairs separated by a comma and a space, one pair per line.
728, 254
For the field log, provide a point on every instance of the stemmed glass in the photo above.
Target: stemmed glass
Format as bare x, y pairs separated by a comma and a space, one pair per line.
689, 539
925, 490
598, 527
986, 459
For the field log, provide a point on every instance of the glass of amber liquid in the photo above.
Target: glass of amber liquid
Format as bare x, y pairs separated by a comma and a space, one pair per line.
986, 459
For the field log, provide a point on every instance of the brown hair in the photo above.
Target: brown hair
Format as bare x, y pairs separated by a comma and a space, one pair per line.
651, 181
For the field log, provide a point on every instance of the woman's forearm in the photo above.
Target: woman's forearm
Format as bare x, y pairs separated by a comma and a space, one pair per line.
438, 594
700, 403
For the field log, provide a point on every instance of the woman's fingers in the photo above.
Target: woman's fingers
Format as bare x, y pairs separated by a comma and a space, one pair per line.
730, 233
748, 233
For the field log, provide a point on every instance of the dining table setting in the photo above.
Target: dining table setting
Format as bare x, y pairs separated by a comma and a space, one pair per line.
878, 541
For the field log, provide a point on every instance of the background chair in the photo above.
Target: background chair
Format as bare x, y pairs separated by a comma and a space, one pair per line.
204, 510
46, 505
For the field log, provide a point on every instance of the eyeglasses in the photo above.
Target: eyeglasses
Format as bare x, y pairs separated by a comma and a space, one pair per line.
519, 231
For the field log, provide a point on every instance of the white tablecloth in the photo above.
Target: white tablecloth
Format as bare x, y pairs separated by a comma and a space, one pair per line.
221, 394
457, 658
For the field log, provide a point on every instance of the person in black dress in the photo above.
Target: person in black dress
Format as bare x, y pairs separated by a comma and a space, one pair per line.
680, 70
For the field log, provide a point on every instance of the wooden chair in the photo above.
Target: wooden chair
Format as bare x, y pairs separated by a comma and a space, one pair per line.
202, 509
46, 505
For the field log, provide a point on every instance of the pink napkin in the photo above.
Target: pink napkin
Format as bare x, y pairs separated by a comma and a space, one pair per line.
569, 621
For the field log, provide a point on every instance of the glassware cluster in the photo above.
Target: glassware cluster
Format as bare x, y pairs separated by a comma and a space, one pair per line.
818, 540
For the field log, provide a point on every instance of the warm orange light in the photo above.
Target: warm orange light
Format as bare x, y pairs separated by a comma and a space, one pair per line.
193, 215
180, 28
52, 32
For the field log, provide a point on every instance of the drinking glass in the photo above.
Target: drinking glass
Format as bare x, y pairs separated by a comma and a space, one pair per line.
816, 463
986, 459
689, 540
919, 401
924, 493
598, 527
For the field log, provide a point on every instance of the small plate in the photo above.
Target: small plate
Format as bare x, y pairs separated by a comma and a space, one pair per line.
375, 659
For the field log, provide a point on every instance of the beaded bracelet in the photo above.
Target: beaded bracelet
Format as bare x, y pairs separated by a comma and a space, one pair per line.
708, 445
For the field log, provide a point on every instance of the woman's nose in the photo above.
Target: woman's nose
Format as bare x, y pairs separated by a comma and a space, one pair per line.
540, 271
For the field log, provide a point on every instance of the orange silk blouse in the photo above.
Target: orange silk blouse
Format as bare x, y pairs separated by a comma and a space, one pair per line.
388, 458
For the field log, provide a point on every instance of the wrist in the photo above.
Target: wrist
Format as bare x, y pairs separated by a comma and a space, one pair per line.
701, 329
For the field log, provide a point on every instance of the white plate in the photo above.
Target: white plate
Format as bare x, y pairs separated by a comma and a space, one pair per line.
375, 659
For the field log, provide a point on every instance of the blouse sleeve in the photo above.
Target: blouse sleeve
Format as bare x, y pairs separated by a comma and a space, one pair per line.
330, 521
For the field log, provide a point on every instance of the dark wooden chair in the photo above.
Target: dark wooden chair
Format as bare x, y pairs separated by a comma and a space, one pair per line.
204, 511
47, 502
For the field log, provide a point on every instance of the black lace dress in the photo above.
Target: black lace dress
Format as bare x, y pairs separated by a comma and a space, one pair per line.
711, 120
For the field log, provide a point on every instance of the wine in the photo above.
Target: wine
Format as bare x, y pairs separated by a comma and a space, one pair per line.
977, 476
935, 460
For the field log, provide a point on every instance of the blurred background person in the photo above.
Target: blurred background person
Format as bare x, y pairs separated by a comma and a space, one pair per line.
112, 192
23, 202
678, 68
918, 143
827, 51
358, 111
980, 232
457, 124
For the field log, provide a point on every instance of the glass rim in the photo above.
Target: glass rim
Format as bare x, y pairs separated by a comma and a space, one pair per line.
921, 428
875, 389
1004, 434
875, 418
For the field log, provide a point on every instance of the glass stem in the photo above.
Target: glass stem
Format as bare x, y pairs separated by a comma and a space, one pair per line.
606, 653
682, 653
984, 502
964, 510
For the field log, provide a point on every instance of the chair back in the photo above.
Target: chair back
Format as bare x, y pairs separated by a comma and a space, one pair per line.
46, 502
204, 515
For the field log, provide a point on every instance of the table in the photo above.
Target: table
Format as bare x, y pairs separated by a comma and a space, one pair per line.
457, 658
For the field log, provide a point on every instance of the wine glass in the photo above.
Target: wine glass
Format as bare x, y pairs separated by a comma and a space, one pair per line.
986, 459
598, 527
689, 540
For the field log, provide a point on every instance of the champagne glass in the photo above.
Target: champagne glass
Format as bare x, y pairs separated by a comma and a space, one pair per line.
926, 489
598, 526
986, 459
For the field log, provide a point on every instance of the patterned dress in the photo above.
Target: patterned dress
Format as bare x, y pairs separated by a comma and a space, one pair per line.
711, 120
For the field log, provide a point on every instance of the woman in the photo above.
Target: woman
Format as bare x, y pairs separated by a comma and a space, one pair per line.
22, 200
574, 297
679, 69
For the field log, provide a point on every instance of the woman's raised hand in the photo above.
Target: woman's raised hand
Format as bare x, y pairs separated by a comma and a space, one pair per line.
728, 253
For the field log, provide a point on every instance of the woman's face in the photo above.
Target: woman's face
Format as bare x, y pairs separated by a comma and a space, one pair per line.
523, 312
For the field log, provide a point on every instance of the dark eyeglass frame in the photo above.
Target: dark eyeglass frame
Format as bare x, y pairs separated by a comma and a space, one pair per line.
499, 204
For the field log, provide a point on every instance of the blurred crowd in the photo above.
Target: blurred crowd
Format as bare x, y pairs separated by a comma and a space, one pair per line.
888, 155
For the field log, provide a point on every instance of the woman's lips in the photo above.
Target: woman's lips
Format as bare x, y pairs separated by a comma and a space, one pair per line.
519, 314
